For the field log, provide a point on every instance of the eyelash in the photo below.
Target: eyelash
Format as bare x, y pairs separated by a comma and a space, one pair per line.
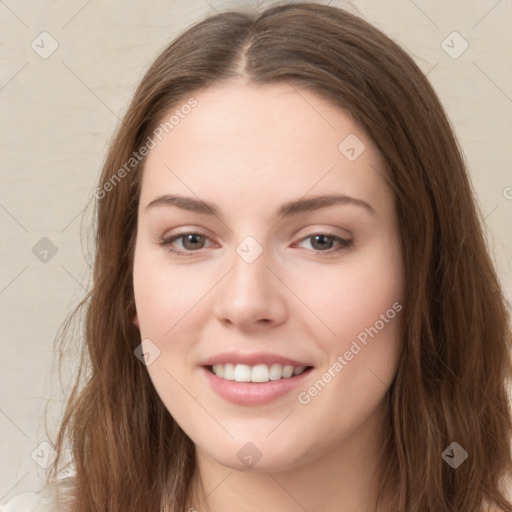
166, 242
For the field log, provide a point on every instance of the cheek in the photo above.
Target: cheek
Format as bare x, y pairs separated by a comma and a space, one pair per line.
164, 294
164, 299
363, 309
351, 296
168, 303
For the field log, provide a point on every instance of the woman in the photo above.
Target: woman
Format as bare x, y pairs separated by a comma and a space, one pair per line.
293, 305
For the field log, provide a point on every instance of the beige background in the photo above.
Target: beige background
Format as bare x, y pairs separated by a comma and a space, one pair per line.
60, 112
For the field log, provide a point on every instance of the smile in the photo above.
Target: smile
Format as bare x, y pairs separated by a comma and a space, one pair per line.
254, 393
259, 373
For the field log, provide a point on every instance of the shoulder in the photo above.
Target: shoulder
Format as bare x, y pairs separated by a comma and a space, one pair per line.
53, 497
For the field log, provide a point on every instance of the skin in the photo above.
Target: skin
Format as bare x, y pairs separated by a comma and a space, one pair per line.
248, 149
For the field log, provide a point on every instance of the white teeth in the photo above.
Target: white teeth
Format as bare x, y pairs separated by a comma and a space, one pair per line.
242, 373
218, 369
257, 373
287, 372
229, 371
276, 372
260, 373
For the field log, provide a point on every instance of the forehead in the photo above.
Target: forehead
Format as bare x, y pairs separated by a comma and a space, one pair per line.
269, 117
277, 139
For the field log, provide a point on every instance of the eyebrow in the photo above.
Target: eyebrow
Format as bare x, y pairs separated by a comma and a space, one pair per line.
288, 209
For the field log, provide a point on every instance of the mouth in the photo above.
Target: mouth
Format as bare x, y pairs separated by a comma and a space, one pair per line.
257, 385
256, 374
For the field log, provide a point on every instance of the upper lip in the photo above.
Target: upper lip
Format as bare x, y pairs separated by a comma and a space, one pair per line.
252, 359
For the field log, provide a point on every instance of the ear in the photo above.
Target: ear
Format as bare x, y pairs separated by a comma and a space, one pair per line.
136, 320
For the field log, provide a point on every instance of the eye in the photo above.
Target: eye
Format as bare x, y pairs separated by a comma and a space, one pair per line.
191, 242
323, 242
194, 242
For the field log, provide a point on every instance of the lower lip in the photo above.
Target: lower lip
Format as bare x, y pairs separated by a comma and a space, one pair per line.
253, 393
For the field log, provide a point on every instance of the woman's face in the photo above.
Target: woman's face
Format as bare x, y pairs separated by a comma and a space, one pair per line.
299, 266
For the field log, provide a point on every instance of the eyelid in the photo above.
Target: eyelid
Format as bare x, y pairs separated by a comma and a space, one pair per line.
165, 241
344, 243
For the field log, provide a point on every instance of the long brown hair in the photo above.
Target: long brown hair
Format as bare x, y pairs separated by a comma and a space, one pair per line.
128, 452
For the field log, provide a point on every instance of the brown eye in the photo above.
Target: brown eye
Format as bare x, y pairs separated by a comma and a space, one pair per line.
190, 243
194, 242
324, 242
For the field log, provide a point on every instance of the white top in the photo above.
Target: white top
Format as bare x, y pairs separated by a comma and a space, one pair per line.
55, 497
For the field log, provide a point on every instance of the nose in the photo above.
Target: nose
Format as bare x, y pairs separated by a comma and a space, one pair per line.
251, 295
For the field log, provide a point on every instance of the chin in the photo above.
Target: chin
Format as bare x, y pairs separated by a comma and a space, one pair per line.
257, 456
